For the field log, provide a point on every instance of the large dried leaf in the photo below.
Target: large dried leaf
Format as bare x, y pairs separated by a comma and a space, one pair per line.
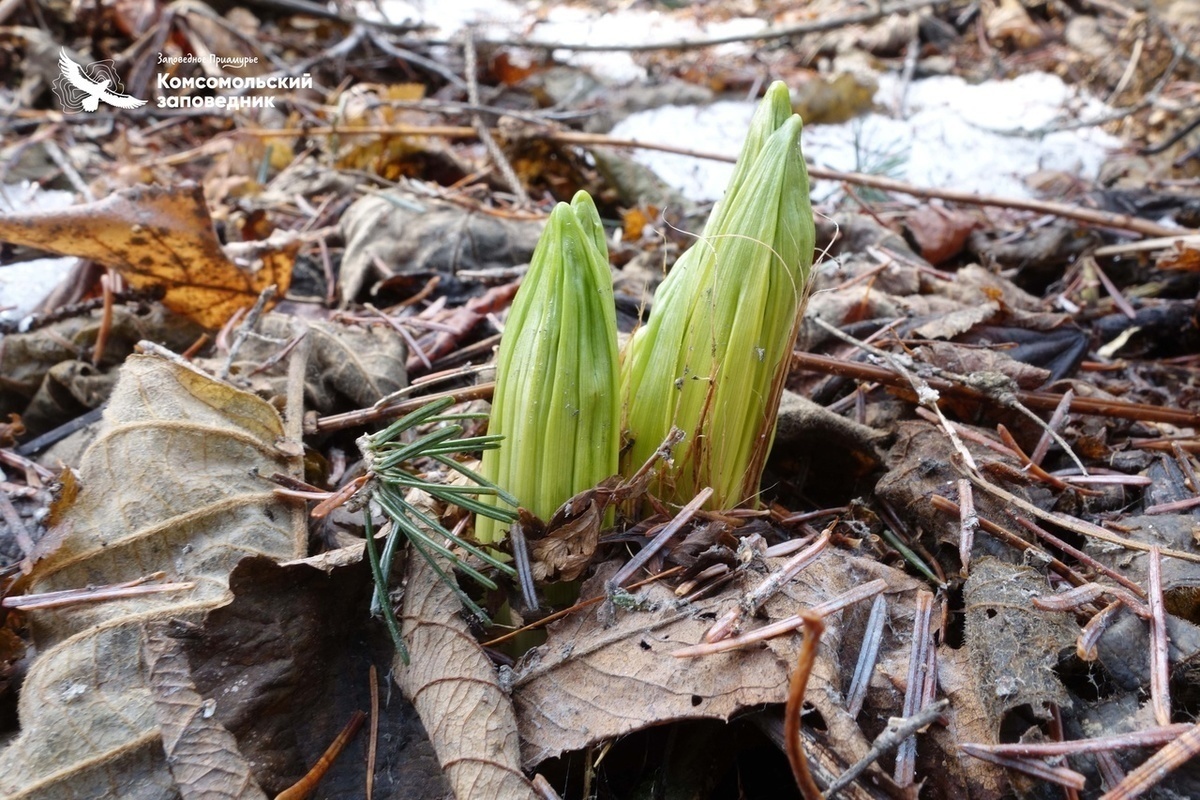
347, 364
452, 683
168, 485
202, 756
155, 236
287, 663
400, 233
590, 682
27, 359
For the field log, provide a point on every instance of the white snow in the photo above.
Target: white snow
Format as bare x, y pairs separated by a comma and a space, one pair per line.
500, 19
982, 138
25, 284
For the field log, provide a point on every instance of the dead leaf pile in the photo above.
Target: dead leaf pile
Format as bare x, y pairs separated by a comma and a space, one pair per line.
168, 486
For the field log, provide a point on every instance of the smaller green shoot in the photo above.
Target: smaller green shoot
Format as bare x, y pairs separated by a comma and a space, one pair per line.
389, 455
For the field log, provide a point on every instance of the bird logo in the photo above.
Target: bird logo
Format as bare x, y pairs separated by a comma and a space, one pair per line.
82, 88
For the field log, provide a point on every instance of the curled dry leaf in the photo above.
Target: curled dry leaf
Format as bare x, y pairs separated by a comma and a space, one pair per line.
566, 548
193, 741
63, 348
348, 364
419, 235
590, 682
452, 683
166, 486
155, 236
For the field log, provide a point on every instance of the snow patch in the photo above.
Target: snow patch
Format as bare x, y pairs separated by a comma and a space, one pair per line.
25, 284
982, 138
498, 19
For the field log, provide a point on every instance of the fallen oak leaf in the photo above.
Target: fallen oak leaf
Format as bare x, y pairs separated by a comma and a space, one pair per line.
156, 236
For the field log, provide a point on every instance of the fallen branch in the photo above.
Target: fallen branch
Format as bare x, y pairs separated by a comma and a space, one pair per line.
1089, 216
1047, 401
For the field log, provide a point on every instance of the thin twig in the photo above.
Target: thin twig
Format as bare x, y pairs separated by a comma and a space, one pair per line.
906, 756
968, 524
99, 594
543, 788
1013, 540
1040, 400
1089, 637
897, 731
654, 545
1054, 423
1150, 737
582, 604
814, 626
750, 603
485, 135
1090, 216
1063, 776
868, 654
785, 625
1157, 767
308, 784
1056, 733
246, 328
1078, 596
1160, 690
1185, 464
926, 394
520, 549
1074, 552
767, 34
106, 317
1073, 523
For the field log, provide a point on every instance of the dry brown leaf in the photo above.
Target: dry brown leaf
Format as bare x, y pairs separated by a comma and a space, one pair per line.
570, 542
348, 365
401, 233
1009, 23
1184, 256
167, 485
958, 774
203, 757
590, 683
26, 359
286, 664
155, 236
1012, 646
939, 233
451, 681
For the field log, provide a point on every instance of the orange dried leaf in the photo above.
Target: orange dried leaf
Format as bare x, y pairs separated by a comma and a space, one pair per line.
635, 220
410, 92
10, 431
155, 236
64, 498
1183, 256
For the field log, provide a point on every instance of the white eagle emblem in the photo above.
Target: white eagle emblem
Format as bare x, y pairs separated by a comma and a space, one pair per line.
84, 88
